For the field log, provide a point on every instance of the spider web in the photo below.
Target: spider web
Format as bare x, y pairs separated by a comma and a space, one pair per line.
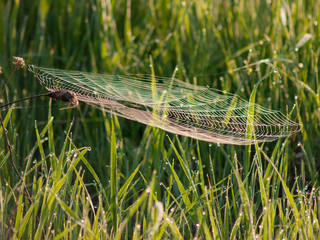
173, 105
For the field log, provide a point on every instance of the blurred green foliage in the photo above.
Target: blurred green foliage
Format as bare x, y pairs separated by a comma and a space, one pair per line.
166, 186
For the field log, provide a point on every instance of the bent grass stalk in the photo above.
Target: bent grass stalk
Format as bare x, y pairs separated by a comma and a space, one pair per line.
18, 64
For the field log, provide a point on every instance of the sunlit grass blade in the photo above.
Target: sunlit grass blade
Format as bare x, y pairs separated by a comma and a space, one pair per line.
113, 179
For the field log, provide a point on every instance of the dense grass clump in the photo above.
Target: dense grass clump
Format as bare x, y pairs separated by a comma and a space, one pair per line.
91, 175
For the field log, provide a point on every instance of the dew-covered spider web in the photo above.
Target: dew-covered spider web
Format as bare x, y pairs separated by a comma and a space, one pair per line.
173, 105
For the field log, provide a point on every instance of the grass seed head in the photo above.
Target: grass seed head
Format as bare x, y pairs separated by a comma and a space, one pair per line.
0, 70
18, 63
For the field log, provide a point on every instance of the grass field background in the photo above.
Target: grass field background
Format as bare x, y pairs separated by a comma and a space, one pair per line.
92, 175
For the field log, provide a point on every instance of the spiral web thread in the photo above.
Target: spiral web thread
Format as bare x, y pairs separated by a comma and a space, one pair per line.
173, 105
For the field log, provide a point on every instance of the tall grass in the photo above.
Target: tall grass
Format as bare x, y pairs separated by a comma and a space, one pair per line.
94, 176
